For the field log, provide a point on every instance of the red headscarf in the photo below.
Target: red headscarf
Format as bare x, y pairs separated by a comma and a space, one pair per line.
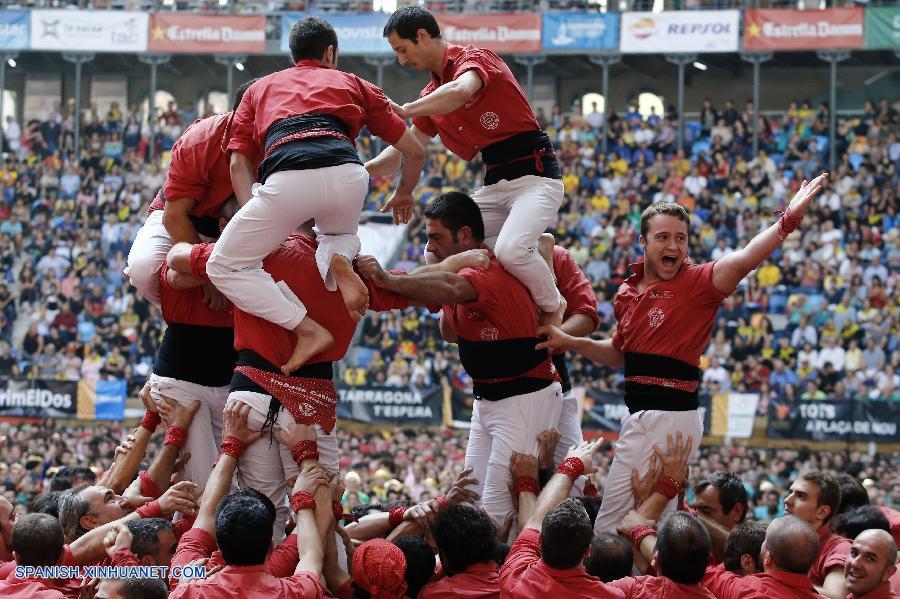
379, 568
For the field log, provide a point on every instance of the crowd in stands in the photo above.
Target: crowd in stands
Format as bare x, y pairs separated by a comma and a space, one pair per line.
818, 319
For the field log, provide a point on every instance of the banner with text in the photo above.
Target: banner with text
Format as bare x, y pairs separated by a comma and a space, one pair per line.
14, 29
358, 34
207, 34
500, 32
38, 399
89, 30
848, 421
605, 410
775, 29
579, 31
680, 31
883, 27
391, 405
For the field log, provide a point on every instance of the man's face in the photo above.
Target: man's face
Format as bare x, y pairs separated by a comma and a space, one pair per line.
106, 506
109, 589
665, 245
442, 242
709, 505
867, 566
409, 52
168, 543
803, 502
7, 521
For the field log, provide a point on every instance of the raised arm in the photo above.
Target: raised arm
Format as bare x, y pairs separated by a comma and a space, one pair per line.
310, 549
730, 270
179, 419
559, 486
388, 161
128, 459
242, 177
428, 288
412, 159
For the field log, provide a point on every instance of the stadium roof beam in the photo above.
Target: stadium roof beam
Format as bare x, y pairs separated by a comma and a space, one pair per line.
78, 59
832, 57
756, 59
605, 61
154, 60
230, 61
681, 60
530, 62
4, 56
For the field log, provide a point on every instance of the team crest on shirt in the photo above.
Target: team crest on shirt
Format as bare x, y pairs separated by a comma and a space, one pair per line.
656, 316
490, 120
306, 410
490, 334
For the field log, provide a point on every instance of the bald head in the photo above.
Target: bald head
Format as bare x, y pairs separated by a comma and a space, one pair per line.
791, 545
871, 561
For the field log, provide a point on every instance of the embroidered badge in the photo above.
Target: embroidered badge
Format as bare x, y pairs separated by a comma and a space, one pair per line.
656, 316
490, 120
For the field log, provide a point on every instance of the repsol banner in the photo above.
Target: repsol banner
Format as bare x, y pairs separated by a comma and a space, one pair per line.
391, 405
849, 421
38, 399
604, 411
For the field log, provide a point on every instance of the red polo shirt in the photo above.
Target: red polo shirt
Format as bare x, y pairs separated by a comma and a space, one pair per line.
479, 581
833, 552
768, 585
652, 587
574, 286
28, 588
670, 318
503, 308
200, 169
525, 576
294, 262
498, 111
893, 517
186, 306
882, 592
310, 88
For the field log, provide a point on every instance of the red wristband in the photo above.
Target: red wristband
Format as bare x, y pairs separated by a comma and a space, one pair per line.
176, 435
150, 510
233, 447
571, 467
788, 223
150, 421
526, 484
396, 516
305, 450
302, 500
148, 487
668, 486
338, 511
442, 502
638, 533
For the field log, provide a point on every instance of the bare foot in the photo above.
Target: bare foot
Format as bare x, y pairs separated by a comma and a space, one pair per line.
312, 339
354, 291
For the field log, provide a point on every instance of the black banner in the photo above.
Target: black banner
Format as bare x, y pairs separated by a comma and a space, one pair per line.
461, 404
605, 410
847, 420
38, 398
391, 405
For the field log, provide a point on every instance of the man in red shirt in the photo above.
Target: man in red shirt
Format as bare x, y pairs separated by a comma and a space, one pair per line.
37, 542
303, 121
788, 552
7, 521
870, 565
546, 559
814, 498
491, 316
665, 314
187, 207
195, 361
467, 548
476, 105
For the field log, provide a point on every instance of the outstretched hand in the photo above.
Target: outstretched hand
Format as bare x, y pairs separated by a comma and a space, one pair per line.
555, 340
807, 193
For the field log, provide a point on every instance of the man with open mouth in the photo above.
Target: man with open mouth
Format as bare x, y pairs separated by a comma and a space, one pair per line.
665, 314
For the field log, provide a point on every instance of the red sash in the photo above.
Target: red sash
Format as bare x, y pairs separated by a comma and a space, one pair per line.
310, 401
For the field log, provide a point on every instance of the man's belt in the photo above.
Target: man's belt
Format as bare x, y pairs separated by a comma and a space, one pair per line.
655, 382
508, 367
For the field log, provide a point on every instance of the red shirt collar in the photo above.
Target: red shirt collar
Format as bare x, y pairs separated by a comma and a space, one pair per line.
824, 532
308, 63
881, 592
789, 578
451, 51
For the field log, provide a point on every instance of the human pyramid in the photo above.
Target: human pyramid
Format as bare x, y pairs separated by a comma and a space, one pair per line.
251, 251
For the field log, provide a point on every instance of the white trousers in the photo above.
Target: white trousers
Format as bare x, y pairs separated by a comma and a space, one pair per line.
640, 432
498, 429
147, 255
267, 463
333, 196
569, 434
205, 433
515, 214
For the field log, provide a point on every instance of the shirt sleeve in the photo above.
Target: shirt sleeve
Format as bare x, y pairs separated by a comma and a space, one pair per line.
125, 557
194, 544
382, 300
524, 552
623, 584
481, 280
574, 286
704, 292
721, 583
243, 125
836, 557
484, 62
284, 558
303, 586
426, 125
186, 175
381, 119
200, 254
